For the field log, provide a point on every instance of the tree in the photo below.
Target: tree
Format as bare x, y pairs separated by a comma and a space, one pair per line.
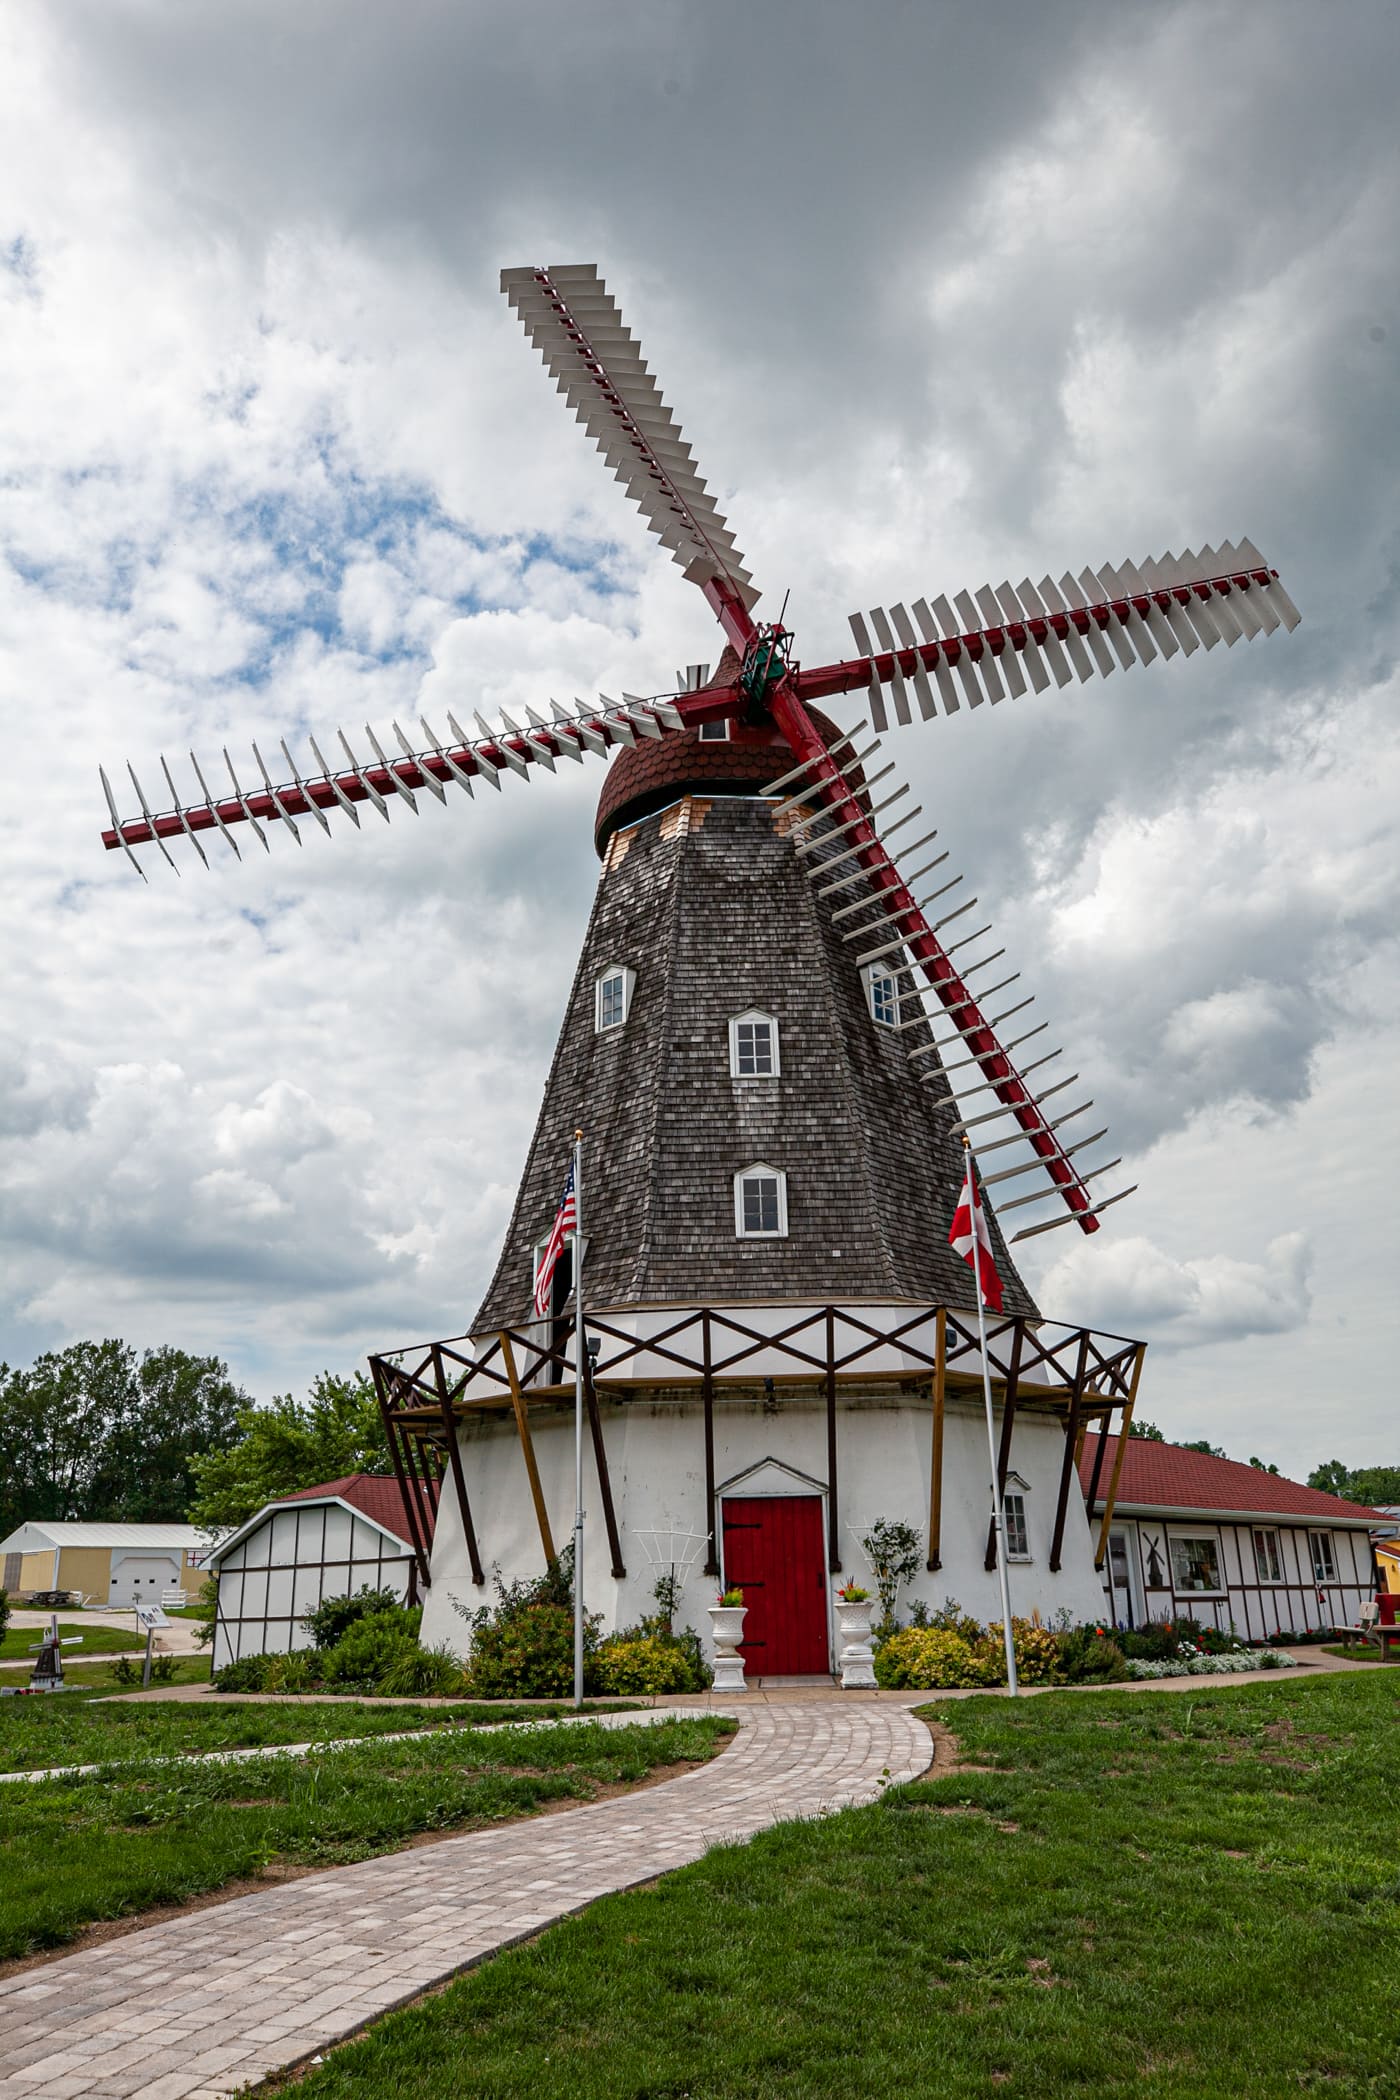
1148, 1431
1260, 1467
1366, 1484
288, 1445
1201, 1444
93, 1432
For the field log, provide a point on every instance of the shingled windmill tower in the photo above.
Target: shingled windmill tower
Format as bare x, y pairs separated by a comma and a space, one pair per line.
775, 1041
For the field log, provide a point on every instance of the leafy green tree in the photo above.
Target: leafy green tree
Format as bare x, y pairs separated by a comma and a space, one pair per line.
1367, 1484
1202, 1444
1260, 1466
95, 1432
290, 1444
1148, 1431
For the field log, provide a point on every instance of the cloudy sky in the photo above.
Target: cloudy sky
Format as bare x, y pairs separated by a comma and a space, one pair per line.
941, 294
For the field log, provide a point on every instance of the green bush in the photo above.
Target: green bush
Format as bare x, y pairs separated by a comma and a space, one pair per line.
296, 1672
249, 1675
526, 1653
333, 1618
1037, 1652
1091, 1655
928, 1659
636, 1662
422, 1673
4, 1612
369, 1649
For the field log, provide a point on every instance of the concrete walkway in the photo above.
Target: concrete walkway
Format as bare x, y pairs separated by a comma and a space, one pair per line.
202, 2006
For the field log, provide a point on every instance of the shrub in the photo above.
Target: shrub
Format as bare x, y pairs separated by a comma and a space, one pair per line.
422, 1673
636, 1662
893, 1551
1155, 1642
296, 1672
370, 1648
951, 1618
334, 1617
1037, 1652
125, 1671
206, 1610
1091, 1655
926, 1659
162, 1669
524, 1648
4, 1612
248, 1675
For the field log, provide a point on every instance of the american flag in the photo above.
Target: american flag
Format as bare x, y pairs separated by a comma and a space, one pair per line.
969, 1231
565, 1221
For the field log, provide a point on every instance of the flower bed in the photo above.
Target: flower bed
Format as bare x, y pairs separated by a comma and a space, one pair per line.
1228, 1665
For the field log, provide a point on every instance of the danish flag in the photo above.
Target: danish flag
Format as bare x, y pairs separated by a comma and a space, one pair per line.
968, 1219
565, 1222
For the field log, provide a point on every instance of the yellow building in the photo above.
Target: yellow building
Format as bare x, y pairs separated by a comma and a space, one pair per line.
115, 1564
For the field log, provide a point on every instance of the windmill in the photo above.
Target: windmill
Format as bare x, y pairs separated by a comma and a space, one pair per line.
736, 804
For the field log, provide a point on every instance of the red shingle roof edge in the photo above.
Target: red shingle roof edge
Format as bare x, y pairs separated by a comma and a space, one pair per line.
1163, 1476
374, 1495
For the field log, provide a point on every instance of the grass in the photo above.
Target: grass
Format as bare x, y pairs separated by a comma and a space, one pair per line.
17, 1641
1363, 1651
66, 1729
147, 1833
1193, 1894
101, 1678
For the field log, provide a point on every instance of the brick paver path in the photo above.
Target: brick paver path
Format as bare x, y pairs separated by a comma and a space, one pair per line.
210, 2003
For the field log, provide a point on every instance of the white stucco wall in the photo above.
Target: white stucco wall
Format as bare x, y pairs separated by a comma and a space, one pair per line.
656, 1461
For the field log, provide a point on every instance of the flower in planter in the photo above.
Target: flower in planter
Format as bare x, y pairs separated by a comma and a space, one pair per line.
732, 1597
852, 1593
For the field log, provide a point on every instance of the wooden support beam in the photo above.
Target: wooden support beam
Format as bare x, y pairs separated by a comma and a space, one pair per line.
527, 1446
935, 1493
708, 1396
833, 1522
459, 1478
398, 1454
600, 1460
1008, 1417
1111, 1498
1067, 1470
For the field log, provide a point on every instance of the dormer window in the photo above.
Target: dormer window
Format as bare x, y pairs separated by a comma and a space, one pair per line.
715, 732
612, 998
882, 993
760, 1203
753, 1046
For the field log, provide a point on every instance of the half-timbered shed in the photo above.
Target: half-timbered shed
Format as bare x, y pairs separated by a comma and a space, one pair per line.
1193, 1536
326, 1541
776, 1045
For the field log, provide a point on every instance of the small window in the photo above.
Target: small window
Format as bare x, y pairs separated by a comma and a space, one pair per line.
715, 732
760, 1203
753, 1046
1018, 1538
612, 998
882, 991
1196, 1565
1268, 1564
1324, 1567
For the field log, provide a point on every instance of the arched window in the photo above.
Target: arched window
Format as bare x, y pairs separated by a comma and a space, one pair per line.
612, 998
753, 1046
760, 1202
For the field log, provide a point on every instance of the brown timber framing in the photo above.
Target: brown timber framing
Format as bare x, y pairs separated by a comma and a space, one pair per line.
1124, 1429
600, 1460
459, 1478
708, 1395
833, 1529
935, 1492
1067, 1470
527, 1446
404, 1471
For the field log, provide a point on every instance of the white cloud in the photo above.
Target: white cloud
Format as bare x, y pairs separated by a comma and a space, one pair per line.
1133, 1287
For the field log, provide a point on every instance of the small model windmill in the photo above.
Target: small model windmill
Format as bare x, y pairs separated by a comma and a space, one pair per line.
932, 656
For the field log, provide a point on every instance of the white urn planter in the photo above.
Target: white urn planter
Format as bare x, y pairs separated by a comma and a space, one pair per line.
727, 1630
857, 1657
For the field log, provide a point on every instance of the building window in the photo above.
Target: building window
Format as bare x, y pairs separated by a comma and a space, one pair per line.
1018, 1538
1268, 1564
612, 998
1196, 1566
715, 732
1324, 1568
882, 991
760, 1203
753, 1046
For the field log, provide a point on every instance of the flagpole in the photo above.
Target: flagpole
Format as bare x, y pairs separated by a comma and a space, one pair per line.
998, 1509
578, 1418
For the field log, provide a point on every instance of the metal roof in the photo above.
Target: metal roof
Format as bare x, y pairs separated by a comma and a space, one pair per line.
40, 1534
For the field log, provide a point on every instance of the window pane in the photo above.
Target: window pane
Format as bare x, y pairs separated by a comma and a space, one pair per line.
1266, 1556
883, 1000
610, 1002
754, 1041
1323, 1566
760, 1203
1017, 1541
1195, 1564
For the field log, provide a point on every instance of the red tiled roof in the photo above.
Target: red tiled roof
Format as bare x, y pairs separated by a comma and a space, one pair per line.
1163, 1476
375, 1495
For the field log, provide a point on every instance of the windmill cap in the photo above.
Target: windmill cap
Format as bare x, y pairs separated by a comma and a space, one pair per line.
649, 776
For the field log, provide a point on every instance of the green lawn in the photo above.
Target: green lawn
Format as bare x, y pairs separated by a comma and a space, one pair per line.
159, 1832
67, 1729
17, 1642
1193, 1894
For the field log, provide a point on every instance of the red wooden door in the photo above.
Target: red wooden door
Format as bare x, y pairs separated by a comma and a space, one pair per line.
775, 1553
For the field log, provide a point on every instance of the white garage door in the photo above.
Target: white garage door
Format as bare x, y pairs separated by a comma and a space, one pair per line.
139, 1578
